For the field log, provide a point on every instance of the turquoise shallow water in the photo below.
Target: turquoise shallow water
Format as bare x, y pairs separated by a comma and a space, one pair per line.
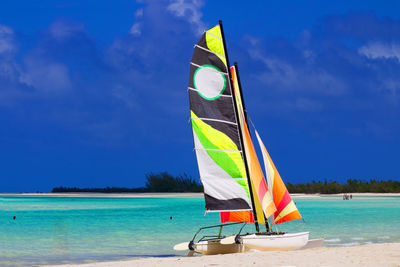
79, 229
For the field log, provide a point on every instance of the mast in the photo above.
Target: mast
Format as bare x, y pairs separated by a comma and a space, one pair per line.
247, 122
240, 132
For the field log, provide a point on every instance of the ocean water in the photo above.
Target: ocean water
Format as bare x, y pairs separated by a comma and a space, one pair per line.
50, 230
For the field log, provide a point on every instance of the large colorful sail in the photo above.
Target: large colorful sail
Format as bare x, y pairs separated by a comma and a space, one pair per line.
215, 129
262, 197
286, 209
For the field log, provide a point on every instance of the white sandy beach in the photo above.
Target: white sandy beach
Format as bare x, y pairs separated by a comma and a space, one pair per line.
387, 254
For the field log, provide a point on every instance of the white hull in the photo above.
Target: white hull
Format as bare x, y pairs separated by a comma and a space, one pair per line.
275, 242
214, 247
256, 242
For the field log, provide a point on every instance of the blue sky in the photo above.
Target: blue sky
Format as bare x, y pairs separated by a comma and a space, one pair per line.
93, 93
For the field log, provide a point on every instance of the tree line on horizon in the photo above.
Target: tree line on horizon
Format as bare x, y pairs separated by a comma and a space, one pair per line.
155, 182
351, 185
167, 183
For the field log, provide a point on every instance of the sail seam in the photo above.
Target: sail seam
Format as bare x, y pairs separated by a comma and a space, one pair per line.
216, 149
208, 50
196, 65
193, 89
206, 119
214, 35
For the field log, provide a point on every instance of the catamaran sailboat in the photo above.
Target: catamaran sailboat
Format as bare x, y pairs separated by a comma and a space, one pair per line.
234, 184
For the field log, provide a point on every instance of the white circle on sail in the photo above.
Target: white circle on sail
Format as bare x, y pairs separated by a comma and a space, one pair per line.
209, 81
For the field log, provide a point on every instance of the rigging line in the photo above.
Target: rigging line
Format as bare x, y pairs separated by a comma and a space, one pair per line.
208, 50
276, 227
213, 35
215, 149
207, 119
193, 89
252, 124
214, 70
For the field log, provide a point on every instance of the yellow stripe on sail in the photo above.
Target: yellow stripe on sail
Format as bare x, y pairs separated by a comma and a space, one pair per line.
258, 208
268, 204
230, 158
215, 31
287, 210
215, 44
219, 139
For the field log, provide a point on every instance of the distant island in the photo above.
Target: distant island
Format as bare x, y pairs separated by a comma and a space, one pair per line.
166, 183
161, 182
352, 185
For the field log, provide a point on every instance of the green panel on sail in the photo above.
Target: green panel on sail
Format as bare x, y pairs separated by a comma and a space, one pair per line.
215, 130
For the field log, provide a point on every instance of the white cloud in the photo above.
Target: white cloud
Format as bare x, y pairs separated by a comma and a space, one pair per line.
45, 76
153, 16
136, 29
139, 13
60, 30
6, 40
190, 11
9, 69
126, 96
5, 30
390, 87
288, 77
380, 50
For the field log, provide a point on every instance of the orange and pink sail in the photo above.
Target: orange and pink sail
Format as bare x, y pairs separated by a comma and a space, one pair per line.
263, 203
286, 210
272, 202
